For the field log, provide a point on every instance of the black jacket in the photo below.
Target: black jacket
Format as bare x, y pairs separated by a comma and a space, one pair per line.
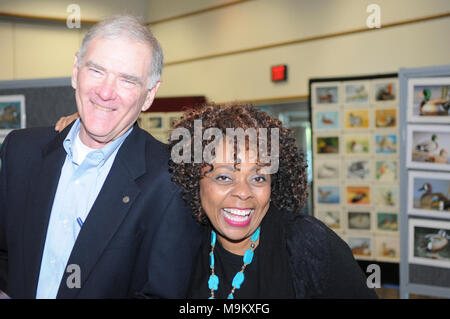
321, 263
142, 246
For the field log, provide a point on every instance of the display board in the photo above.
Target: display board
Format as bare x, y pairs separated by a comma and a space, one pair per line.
355, 162
425, 174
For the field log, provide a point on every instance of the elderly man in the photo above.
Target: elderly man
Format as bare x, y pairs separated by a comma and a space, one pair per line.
91, 212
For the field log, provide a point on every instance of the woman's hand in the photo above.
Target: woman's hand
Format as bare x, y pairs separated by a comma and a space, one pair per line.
65, 120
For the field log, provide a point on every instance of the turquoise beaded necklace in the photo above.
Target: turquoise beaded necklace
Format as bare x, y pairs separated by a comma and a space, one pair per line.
213, 282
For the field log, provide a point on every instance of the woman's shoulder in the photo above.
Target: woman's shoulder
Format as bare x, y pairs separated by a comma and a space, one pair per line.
321, 262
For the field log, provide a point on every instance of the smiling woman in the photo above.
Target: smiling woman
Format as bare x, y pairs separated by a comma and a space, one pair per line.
258, 244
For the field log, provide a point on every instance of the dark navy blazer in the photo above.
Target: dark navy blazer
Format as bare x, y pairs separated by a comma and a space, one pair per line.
139, 239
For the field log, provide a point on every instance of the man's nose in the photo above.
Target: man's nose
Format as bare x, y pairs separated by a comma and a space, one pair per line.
107, 90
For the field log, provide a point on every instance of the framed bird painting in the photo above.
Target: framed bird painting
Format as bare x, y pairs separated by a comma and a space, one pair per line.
428, 147
429, 100
12, 113
429, 194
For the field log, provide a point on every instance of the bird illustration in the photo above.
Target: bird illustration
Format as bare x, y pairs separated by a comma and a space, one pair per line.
385, 120
430, 200
436, 242
435, 106
326, 120
429, 146
358, 169
324, 195
356, 147
326, 171
385, 93
386, 144
354, 120
358, 197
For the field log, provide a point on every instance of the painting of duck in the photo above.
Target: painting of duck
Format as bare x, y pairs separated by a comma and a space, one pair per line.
430, 200
429, 146
430, 106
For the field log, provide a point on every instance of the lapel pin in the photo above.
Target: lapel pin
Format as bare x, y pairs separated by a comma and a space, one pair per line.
125, 199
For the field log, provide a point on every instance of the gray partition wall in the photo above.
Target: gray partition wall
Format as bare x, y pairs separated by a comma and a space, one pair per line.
417, 278
46, 100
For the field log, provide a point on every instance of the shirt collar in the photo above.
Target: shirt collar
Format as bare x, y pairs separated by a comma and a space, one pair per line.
101, 154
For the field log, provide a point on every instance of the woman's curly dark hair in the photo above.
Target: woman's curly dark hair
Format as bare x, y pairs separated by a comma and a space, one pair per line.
288, 184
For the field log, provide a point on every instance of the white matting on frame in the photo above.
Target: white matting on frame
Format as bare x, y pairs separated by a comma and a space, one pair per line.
12, 113
428, 194
428, 147
429, 100
429, 242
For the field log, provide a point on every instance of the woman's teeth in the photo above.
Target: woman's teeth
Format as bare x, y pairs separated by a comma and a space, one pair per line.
237, 214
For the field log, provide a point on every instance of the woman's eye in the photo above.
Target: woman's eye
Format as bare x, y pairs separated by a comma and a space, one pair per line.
222, 179
259, 179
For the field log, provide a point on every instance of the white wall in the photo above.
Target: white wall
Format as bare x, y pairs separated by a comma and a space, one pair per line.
31, 50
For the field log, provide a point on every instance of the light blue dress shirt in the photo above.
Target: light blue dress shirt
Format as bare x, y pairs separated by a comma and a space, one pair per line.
78, 187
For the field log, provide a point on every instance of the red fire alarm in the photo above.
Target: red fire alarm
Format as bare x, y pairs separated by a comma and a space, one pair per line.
279, 73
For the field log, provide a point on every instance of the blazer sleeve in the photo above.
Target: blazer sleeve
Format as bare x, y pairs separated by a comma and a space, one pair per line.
3, 211
172, 255
345, 279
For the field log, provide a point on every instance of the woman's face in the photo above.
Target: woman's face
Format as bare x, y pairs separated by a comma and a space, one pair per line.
235, 197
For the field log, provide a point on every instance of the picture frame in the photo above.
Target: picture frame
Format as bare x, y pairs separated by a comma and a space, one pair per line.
387, 248
429, 194
12, 113
428, 147
359, 220
429, 242
357, 119
386, 221
327, 169
356, 93
384, 92
330, 216
327, 145
386, 143
327, 119
385, 118
326, 94
428, 100
358, 195
357, 144
328, 194
361, 246
386, 195
357, 169
171, 117
386, 170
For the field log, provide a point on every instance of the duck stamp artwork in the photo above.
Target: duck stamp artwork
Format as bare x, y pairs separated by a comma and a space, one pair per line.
356, 93
356, 119
429, 193
387, 222
358, 195
327, 120
428, 147
357, 144
386, 118
429, 242
429, 100
12, 113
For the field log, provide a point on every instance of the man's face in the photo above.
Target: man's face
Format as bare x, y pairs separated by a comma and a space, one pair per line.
111, 88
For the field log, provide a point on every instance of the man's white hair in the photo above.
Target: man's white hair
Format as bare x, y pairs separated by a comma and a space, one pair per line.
129, 26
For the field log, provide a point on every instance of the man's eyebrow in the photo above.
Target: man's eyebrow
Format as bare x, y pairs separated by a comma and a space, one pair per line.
124, 75
95, 65
132, 78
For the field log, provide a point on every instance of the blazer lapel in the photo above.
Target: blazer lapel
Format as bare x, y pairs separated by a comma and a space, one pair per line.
42, 192
109, 210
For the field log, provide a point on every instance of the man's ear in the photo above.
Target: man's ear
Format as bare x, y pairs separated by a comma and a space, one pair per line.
75, 72
150, 96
